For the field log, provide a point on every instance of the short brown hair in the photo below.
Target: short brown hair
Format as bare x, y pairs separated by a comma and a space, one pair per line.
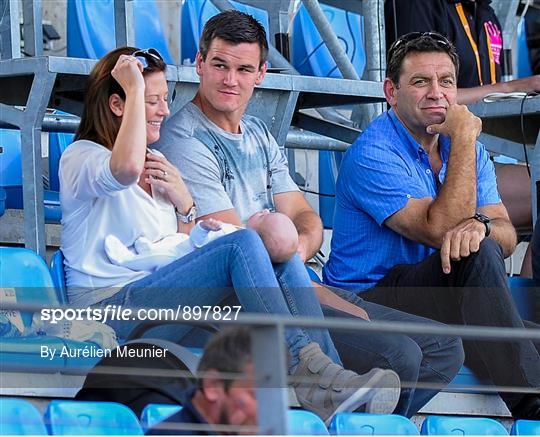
234, 27
228, 351
98, 123
417, 42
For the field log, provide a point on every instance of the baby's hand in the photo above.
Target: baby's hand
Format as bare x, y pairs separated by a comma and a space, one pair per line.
211, 225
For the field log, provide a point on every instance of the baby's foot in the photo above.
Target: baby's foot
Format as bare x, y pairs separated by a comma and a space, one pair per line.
117, 251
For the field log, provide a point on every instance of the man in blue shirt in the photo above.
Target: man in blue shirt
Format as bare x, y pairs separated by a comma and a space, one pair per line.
419, 225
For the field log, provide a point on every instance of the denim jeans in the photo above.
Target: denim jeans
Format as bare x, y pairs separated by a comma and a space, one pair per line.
475, 292
415, 358
236, 263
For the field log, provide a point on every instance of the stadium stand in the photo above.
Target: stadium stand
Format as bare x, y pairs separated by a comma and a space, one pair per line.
89, 36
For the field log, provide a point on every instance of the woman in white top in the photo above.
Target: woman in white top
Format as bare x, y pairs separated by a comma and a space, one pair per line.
111, 183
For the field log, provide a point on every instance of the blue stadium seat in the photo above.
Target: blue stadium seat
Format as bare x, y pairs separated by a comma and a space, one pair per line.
155, 413
58, 142
19, 417
91, 418
11, 177
58, 275
526, 427
2, 201
90, 28
195, 13
371, 424
311, 57
303, 422
26, 271
524, 68
525, 295
446, 425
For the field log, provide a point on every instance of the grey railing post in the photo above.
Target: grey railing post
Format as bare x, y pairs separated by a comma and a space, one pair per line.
269, 359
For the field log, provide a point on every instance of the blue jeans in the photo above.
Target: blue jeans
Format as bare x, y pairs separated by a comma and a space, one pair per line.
236, 263
415, 358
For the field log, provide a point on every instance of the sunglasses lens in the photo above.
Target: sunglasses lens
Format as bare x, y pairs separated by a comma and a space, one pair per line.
142, 60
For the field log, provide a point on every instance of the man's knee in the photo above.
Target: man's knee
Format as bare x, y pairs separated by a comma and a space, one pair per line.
490, 250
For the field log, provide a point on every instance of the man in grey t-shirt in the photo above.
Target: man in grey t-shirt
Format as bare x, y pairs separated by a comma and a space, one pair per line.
234, 168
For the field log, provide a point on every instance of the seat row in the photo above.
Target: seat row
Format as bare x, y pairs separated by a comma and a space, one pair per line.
19, 417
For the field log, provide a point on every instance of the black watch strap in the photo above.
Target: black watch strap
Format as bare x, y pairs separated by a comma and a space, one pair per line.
482, 218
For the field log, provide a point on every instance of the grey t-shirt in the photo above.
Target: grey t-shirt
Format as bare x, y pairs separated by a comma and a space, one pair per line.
223, 170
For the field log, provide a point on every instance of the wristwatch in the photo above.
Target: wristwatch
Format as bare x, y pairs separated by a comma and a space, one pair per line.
188, 217
482, 218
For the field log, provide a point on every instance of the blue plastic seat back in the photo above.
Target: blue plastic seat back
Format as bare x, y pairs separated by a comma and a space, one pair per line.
90, 28
11, 167
58, 275
524, 293
2, 201
445, 425
372, 424
10, 158
311, 57
26, 272
303, 422
195, 13
155, 413
58, 142
524, 68
526, 427
19, 417
91, 418
11, 177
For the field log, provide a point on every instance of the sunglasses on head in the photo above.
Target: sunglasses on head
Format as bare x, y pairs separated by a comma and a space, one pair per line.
441, 40
143, 55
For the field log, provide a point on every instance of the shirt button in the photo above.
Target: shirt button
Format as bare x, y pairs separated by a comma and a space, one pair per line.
428, 171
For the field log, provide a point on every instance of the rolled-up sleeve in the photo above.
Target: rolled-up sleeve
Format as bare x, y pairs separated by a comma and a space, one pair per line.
488, 194
85, 171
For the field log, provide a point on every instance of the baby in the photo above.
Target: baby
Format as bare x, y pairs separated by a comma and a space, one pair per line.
276, 230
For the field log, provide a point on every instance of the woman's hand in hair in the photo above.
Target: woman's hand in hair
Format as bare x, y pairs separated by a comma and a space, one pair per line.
128, 73
161, 173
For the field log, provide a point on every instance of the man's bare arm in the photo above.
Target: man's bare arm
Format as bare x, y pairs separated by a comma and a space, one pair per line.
329, 298
474, 94
427, 220
225, 216
502, 229
307, 222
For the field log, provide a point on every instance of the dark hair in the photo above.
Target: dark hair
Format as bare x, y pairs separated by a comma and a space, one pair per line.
228, 351
234, 27
98, 123
416, 42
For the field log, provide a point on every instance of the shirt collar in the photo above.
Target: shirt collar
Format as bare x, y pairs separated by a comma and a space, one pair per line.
414, 146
